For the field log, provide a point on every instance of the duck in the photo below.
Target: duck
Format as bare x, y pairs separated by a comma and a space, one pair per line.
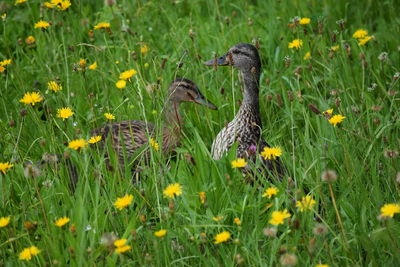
128, 137
246, 127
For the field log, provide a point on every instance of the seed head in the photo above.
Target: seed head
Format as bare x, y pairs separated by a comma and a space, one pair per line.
270, 232
288, 259
320, 229
329, 176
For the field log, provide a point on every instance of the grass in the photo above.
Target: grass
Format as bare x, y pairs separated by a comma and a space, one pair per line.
181, 35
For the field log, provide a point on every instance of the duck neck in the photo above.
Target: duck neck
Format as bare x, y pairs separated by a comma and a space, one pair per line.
250, 92
172, 117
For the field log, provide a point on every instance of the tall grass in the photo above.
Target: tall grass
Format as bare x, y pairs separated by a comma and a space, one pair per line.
353, 81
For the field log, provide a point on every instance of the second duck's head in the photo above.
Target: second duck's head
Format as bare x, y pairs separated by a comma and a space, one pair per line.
184, 90
241, 56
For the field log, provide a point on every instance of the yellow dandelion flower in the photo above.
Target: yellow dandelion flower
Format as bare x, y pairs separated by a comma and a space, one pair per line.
335, 48
122, 249
109, 116
304, 21
222, 237
336, 119
20, 1
54, 86
120, 84
172, 190
42, 24
322, 265
202, 196
154, 144
4, 16
120, 242
278, 217
237, 221
306, 203
4, 221
5, 62
30, 40
27, 253
77, 144
217, 218
364, 40
360, 33
239, 163
296, 43
102, 25
61, 221
270, 191
160, 233
389, 210
126, 75
307, 56
94, 139
64, 5
93, 66
64, 113
82, 62
4, 166
31, 98
329, 111
144, 49
271, 153
48, 5
123, 202
2, 69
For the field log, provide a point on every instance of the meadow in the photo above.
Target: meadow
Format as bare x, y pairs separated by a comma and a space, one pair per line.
337, 205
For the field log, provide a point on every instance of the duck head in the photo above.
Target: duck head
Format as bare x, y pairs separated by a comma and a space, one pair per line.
184, 90
241, 56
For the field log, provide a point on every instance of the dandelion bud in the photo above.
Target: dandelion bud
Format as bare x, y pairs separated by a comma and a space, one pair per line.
171, 206
71, 251
329, 176
270, 232
279, 100
290, 96
143, 219
320, 229
314, 108
12, 123
109, 2
239, 260
23, 112
288, 259
192, 34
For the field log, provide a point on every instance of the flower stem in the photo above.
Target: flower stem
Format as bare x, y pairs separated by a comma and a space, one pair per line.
345, 242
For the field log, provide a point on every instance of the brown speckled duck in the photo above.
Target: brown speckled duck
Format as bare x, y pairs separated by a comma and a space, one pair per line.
129, 136
246, 127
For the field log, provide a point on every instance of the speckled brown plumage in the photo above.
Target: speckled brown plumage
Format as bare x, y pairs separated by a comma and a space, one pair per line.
246, 127
128, 137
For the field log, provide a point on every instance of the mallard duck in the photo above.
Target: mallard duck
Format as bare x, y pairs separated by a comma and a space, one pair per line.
129, 136
246, 127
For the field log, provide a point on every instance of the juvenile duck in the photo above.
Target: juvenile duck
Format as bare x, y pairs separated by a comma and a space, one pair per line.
131, 135
246, 127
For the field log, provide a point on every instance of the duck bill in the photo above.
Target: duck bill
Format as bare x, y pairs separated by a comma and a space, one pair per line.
205, 102
221, 61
